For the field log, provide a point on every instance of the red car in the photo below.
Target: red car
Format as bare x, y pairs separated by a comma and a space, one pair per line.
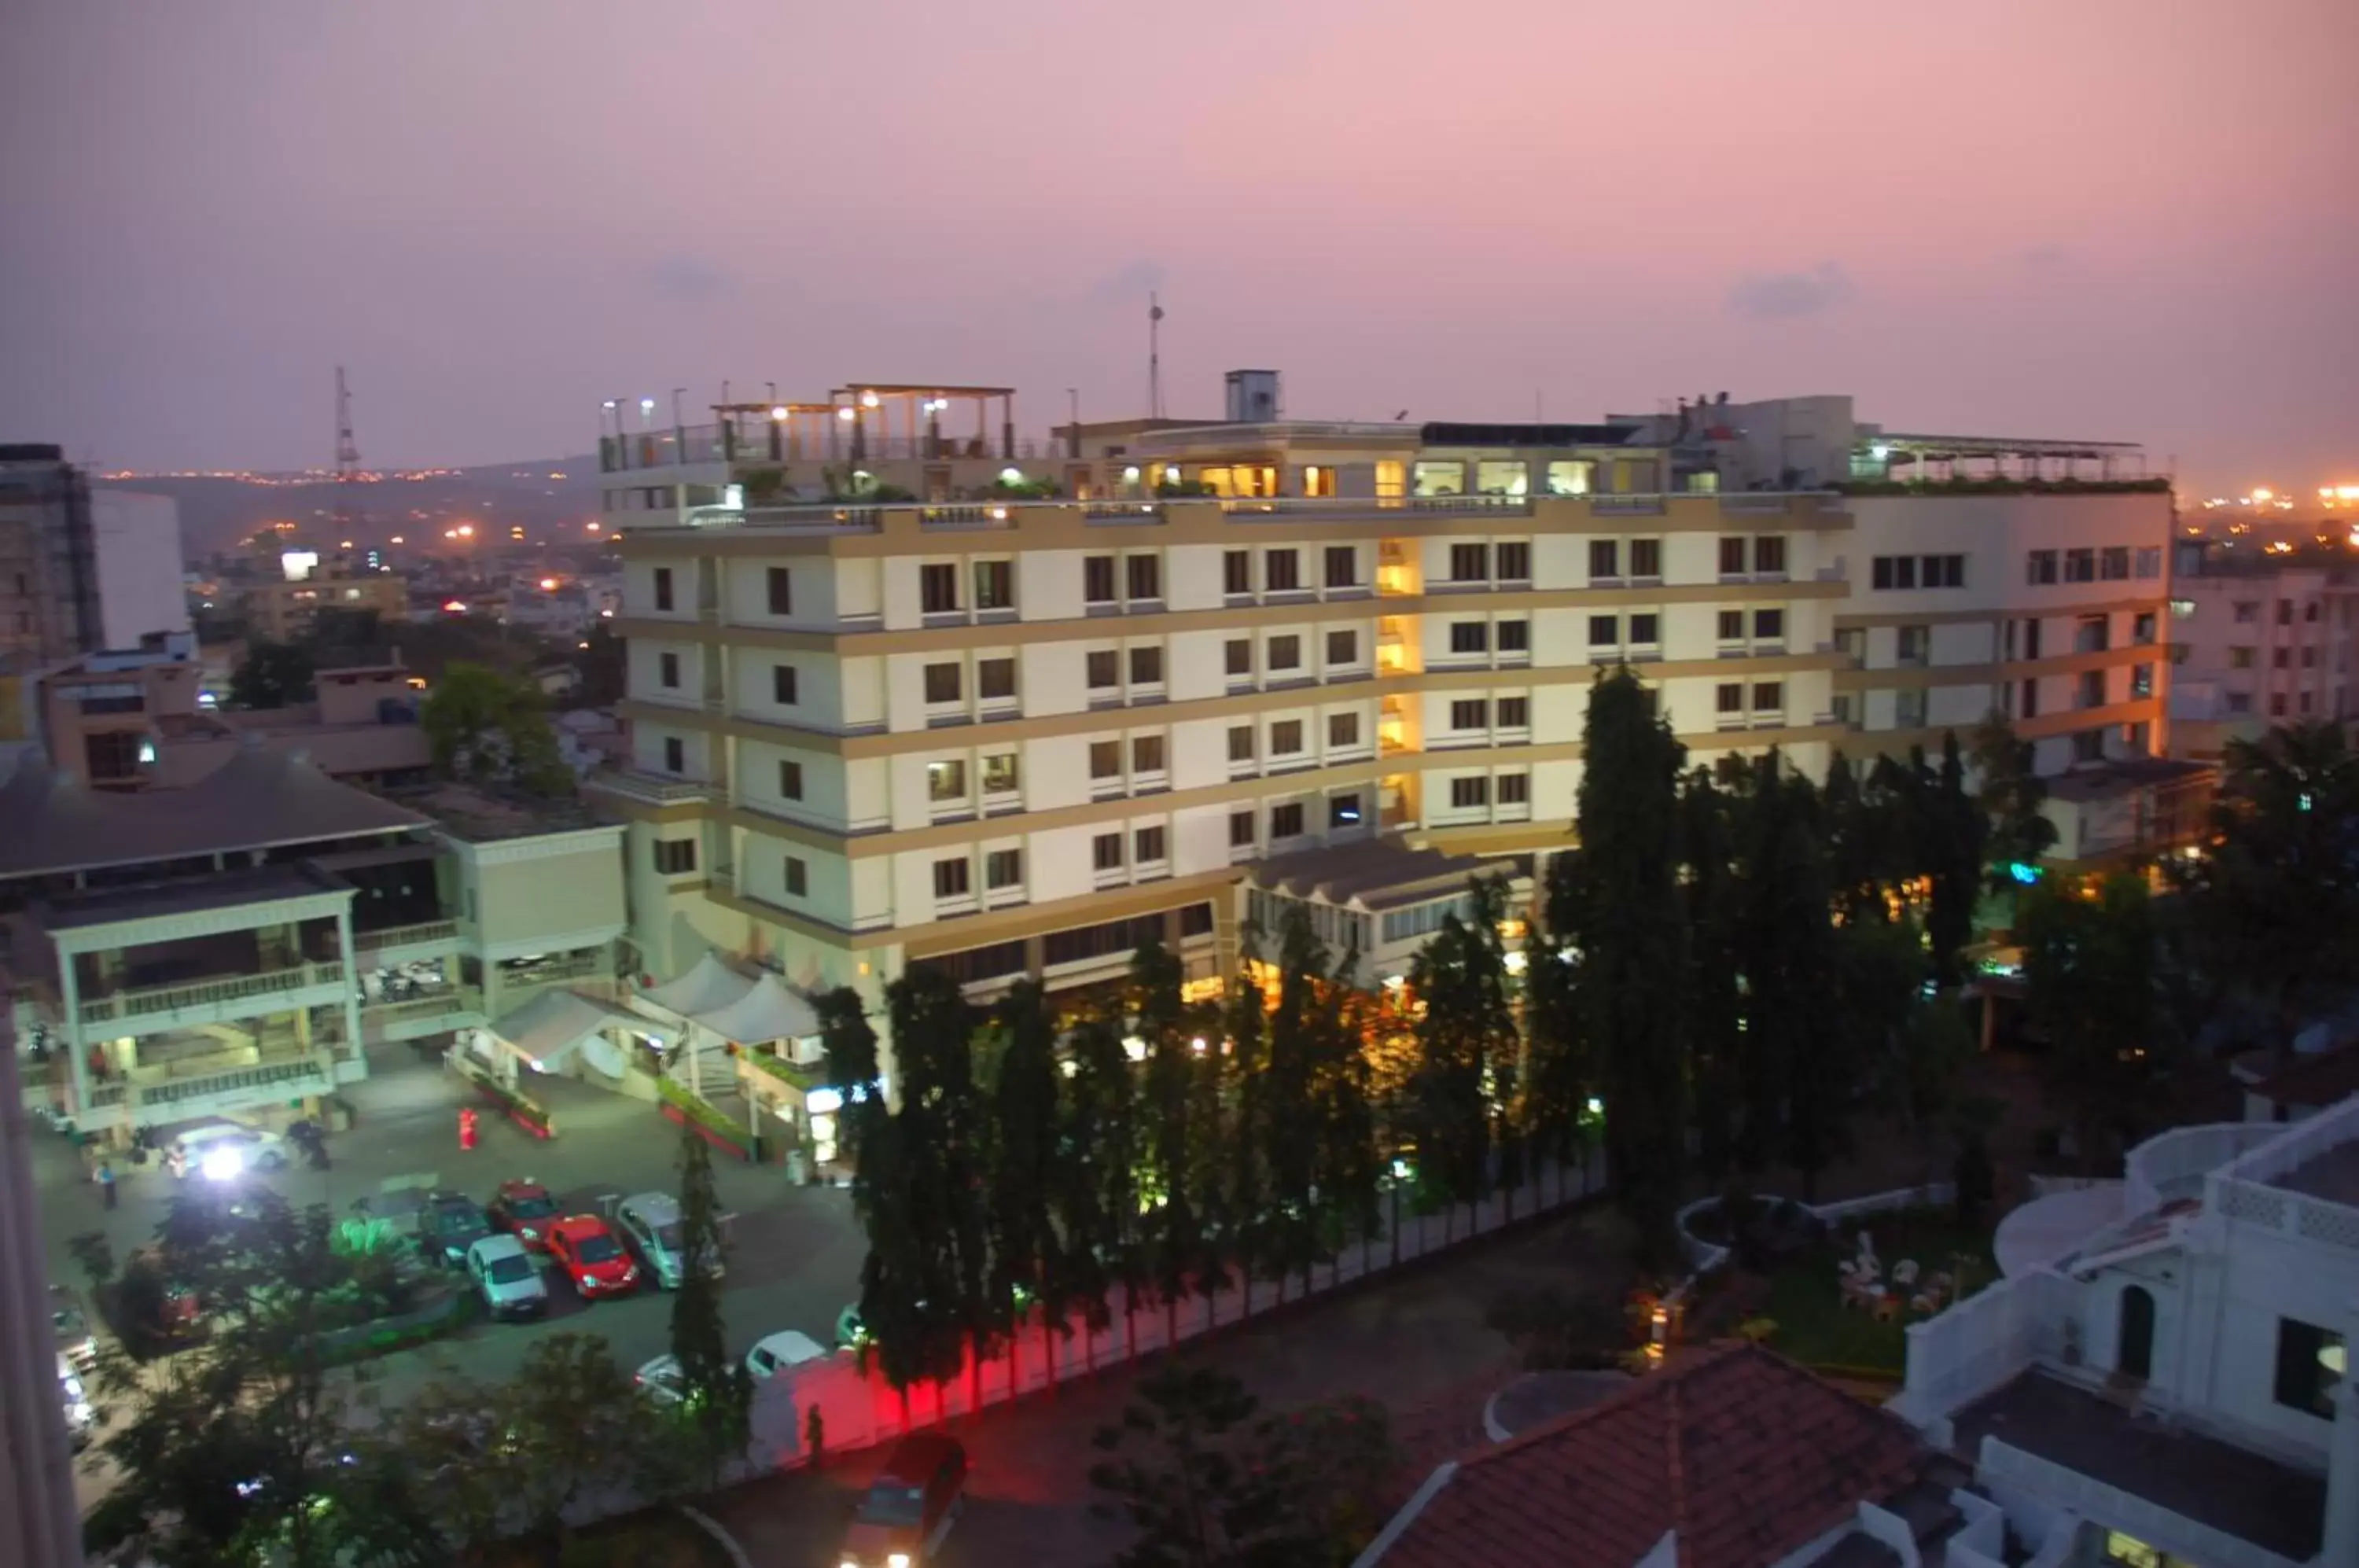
911, 1506
590, 1257
524, 1210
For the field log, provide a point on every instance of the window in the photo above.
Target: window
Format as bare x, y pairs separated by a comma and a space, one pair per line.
2141, 680
1106, 759
782, 591
663, 587
943, 683
1732, 626
1147, 754
1470, 715
951, 878
1146, 666
2285, 612
2246, 611
1769, 554
791, 780
1343, 566
2310, 612
2310, 658
1342, 729
1469, 636
1943, 572
1281, 571
1500, 478
675, 754
1515, 789
2303, 1380
1910, 644
1104, 668
1239, 653
2240, 701
2280, 659
1645, 630
674, 857
2031, 699
2150, 561
1894, 571
1515, 637
1605, 631
2142, 628
1513, 712
1469, 563
1236, 572
938, 588
2114, 564
1465, 794
2089, 745
1106, 851
2080, 566
1731, 558
1286, 738
1342, 811
798, 879
2277, 705
2039, 568
1097, 578
1569, 478
995, 586
1344, 647
1003, 869
1241, 743
1728, 697
1646, 558
999, 773
783, 689
1286, 821
1439, 478
1286, 653
667, 669
2241, 657
995, 676
1769, 696
1512, 562
1604, 558
2031, 639
1770, 626
1143, 576
946, 780
1147, 846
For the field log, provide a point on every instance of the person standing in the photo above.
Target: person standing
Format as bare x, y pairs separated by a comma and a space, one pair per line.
106, 1182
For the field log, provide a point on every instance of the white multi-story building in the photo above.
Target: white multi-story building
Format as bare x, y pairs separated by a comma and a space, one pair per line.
2258, 640
1016, 736
2162, 1377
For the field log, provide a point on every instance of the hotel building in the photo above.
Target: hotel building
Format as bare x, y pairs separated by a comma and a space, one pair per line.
1014, 735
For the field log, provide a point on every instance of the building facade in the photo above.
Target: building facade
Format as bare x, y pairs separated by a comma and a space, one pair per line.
49, 606
1014, 735
283, 611
2261, 639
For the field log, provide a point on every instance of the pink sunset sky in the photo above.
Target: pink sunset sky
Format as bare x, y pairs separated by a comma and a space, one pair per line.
2103, 219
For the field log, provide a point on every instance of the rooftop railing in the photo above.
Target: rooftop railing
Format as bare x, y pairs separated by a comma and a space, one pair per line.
150, 1000
657, 788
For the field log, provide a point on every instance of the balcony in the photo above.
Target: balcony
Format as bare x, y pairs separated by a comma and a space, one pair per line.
400, 944
154, 1007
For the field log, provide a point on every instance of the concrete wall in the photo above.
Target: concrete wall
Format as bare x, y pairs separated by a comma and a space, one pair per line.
139, 584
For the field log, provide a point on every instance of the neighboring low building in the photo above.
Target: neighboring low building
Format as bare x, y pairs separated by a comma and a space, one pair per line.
238, 943
1732, 1459
2163, 1377
281, 611
2126, 811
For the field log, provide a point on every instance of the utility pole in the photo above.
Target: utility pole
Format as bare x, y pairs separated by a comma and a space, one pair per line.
348, 462
1154, 357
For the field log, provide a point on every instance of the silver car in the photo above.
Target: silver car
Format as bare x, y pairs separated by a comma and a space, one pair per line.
649, 1224
81, 1420
507, 1277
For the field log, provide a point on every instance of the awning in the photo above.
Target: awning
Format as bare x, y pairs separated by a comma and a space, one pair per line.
707, 987
768, 1011
546, 1031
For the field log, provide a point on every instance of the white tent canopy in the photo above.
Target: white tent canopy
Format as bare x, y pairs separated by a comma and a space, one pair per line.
546, 1031
768, 1011
708, 987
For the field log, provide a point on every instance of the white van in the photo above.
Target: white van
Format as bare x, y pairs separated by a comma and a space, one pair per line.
507, 1277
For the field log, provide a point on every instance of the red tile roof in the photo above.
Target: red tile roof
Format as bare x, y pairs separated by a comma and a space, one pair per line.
1743, 1456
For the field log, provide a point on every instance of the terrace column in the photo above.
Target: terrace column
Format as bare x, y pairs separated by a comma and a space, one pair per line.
71, 989
1007, 427
2342, 1471
352, 985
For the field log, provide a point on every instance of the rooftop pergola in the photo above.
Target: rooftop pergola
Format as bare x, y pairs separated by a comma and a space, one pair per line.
2030, 457
858, 424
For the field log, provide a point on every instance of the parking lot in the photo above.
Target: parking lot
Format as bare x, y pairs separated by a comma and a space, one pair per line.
795, 1252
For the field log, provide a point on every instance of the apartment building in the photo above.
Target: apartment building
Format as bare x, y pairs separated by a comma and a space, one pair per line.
285, 610
239, 945
1013, 735
2161, 1378
2260, 638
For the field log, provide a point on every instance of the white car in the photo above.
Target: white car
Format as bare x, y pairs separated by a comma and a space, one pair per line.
80, 1419
649, 1226
778, 1351
507, 1277
225, 1150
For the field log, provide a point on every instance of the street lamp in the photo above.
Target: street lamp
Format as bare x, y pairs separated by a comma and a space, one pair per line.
647, 413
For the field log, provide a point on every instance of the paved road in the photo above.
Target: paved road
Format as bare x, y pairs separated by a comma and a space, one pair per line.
795, 1251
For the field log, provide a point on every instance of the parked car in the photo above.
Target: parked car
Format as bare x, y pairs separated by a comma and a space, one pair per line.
649, 1224
76, 1342
80, 1419
223, 1151
448, 1225
911, 1506
591, 1260
524, 1210
661, 1380
507, 1277
775, 1353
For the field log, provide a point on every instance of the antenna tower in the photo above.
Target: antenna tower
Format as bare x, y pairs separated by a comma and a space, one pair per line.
348, 461
1154, 357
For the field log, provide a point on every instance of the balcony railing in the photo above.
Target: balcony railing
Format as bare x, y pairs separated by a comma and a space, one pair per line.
150, 1000
654, 788
423, 932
